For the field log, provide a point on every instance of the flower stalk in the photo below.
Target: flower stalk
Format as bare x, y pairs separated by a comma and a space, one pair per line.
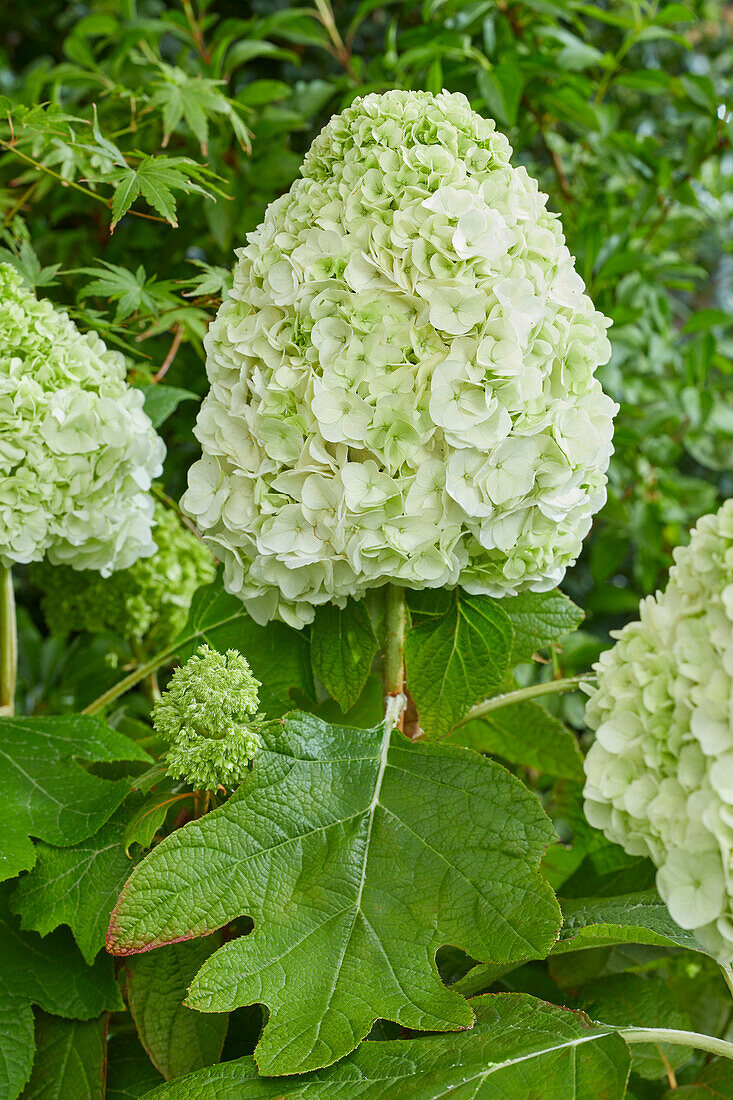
393, 665
8, 643
521, 695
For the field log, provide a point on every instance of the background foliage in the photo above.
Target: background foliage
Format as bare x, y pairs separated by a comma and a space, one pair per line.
139, 143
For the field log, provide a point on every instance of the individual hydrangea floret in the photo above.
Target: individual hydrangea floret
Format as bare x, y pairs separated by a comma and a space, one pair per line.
78, 454
149, 600
659, 777
402, 377
209, 715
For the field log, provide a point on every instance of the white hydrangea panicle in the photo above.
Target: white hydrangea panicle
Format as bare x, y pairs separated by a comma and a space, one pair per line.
78, 454
659, 777
402, 378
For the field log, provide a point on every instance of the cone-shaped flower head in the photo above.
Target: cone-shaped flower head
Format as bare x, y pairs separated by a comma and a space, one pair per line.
659, 778
78, 453
209, 715
402, 378
151, 598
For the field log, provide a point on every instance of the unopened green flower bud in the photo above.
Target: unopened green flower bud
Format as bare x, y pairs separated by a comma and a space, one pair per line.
209, 715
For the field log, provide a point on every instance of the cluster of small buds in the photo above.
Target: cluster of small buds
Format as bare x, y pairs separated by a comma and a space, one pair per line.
209, 714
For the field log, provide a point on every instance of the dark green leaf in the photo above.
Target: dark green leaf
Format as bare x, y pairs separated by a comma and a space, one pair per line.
343, 645
130, 1073
539, 619
161, 401
77, 886
713, 1082
51, 974
630, 918
357, 856
520, 1048
70, 1059
527, 735
46, 792
177, 1039
630, 1000
456, 660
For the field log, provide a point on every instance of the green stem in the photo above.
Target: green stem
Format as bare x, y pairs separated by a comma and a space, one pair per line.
727, 973
129, 682
8, 643
693, 1039
395, 618
551, 687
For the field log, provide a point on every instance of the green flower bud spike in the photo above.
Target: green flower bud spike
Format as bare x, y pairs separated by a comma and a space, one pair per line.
209, 715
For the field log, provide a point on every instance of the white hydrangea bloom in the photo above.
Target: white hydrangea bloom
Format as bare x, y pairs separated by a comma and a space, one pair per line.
402, 378
659, 777
77, 452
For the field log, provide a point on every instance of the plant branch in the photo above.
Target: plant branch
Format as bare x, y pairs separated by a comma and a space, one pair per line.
692, 1039
129, 682
393, 666
8, 643
551, 687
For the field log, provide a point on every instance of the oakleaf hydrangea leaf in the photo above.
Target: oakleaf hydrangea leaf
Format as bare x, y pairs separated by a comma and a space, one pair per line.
528, 735
519, 1049
539, 619
71, 1057
456, 660
51, 974
343, 645
356, 855
641, 917
77, 886
45, 790
177, 1039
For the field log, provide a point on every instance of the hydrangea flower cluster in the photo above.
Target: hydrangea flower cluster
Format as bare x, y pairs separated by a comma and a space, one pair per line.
659, 777
402, 377
78, 454
209, 715
151, 598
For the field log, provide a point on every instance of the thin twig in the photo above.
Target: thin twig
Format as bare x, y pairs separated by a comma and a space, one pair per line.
176, 343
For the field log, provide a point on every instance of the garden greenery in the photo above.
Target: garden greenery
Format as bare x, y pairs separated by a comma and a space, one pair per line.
300, 795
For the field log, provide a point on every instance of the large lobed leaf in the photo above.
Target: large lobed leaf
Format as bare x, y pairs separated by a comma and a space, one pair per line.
46, 792
357, 855
70, 1061
177, 1039
77, 886
51, 974
519, 1049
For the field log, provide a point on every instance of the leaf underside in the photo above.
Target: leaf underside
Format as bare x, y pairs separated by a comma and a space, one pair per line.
356, 855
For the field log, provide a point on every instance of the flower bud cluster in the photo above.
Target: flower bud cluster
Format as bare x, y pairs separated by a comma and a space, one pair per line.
208, 713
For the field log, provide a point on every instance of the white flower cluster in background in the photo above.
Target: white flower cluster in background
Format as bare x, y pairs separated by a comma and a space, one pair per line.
660, 774
77, 452
402, 378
